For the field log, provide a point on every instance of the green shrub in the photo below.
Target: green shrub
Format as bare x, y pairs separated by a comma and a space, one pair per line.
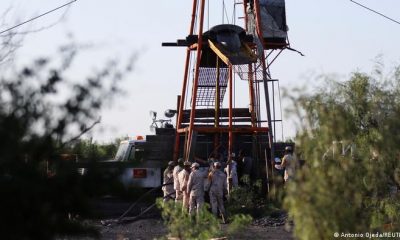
349, 140
182, 225
246, 199
238, 223
42, 111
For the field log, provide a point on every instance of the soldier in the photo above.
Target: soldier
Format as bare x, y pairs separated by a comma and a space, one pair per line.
231, 172
246, 163
195, 188
183, 177
177, 169
218, 189
288, 163
168, 187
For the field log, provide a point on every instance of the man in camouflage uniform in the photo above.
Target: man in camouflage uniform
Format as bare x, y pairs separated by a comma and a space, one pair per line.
288, 164
177, 169
183, 177
218, 187
168, 187
195, 188
232, 176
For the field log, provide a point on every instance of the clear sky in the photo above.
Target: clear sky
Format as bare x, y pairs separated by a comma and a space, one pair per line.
336, 36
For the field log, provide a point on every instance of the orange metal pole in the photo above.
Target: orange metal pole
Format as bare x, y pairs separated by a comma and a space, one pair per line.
217, 105
185, 80
250, 74
245, 15
178, 103
258, 23
226, 130
251, 94
196, 77
233, 130
230, 144
270, 137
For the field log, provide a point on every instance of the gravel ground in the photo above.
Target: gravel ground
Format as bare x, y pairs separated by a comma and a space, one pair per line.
138, 230
152, 226
148, 229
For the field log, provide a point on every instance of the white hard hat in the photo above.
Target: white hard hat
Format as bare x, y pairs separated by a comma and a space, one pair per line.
195, 165
171, 163
217, 164
288, 148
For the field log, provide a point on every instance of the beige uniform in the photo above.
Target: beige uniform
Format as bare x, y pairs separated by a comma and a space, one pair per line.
232, 176
218, 186
178, 193
289, 167
183, 178
195, 189
168, 189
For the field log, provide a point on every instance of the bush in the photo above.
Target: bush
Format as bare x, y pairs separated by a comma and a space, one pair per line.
181, 225
247, 199
349, 140
41, 112
184, 226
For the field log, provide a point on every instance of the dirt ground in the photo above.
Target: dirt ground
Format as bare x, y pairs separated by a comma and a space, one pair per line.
151, 226
145, 229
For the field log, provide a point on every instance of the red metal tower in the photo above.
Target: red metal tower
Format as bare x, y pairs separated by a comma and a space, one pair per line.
213, 57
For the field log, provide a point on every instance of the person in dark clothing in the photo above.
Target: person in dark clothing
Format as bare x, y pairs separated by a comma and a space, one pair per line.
246, 163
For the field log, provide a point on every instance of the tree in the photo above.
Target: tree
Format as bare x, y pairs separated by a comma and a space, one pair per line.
86, 149
349, 141
41, 111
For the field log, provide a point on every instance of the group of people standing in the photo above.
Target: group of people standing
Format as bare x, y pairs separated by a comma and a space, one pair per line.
187, 184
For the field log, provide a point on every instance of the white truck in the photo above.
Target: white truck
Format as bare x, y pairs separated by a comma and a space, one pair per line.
139, 162
139, 172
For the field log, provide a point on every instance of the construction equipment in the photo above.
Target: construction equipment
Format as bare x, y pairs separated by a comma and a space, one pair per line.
210, 124
214, 58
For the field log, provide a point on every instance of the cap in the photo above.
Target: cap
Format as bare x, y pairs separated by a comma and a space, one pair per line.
195, 165
180, 160
288, 148
187, 163
171, 163
217, 164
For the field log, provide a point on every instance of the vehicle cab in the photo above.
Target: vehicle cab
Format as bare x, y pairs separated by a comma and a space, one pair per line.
137, 170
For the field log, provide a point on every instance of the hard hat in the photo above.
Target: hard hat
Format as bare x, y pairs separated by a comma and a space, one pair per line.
187, 163
195, 165
217, 164
139, 138
288, 148
171, 163
180, 160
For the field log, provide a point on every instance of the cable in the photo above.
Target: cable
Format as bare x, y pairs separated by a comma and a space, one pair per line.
208, 14
234, 13
41, 15
391, 19
223, 5
224, 13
